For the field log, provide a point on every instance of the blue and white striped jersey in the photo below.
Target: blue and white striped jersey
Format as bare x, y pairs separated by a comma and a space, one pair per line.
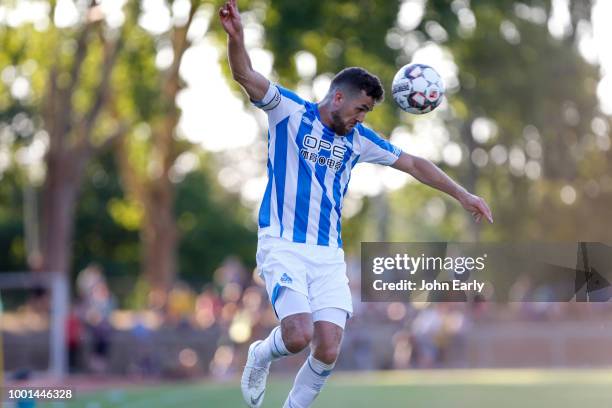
309, 168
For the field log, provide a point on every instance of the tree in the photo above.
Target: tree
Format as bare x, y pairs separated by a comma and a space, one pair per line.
213, 224
68, 96
538, 93
12, 242
147, 164
107, 226
100, 87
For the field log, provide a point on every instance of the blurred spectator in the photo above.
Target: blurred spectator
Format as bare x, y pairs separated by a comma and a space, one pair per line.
145, 364
426, 329
74, 333
39, 301
451, 341
208, 306
232, 271
402, 349
87, 279
97, 304
181, 302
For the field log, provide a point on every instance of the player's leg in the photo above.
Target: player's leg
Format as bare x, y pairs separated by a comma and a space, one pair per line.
292, 336
330, 299
295, 331
284, 274
327, 338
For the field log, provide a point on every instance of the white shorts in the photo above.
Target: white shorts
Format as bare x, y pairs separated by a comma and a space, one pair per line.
318, 272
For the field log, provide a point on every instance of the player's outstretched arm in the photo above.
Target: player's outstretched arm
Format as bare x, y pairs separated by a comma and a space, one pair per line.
428, 173
255, 84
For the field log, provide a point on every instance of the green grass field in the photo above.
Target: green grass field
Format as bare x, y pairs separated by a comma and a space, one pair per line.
431, 389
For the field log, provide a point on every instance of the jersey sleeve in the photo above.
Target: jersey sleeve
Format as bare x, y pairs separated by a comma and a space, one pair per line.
375, 149
278, 103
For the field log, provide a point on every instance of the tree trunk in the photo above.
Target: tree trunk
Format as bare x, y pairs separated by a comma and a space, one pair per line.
160, 238
60, 195
70, 147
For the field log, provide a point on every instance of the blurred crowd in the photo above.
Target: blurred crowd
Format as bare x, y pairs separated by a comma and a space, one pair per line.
207, 332
236, 310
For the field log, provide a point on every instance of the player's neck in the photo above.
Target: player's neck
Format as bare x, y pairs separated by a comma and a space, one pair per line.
325, 112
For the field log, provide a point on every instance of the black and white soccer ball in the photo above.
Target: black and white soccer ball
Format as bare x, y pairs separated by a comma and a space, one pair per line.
417, 88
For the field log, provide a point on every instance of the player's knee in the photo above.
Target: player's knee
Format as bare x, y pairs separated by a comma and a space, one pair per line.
297, 332
327, 341
298, 340
327, 354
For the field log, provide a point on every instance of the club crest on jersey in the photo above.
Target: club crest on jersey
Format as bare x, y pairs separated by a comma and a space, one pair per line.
312, 150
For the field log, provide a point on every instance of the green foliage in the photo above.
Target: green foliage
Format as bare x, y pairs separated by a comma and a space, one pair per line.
99, 236
11, 226
534, 81
139, 297
213, 225
126, 213
137, 76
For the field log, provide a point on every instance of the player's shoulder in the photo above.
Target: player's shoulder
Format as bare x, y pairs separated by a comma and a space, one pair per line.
280, 103
369, 137
291, 95
362, 131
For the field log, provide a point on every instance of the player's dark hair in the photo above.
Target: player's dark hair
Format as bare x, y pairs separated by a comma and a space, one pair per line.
358, 79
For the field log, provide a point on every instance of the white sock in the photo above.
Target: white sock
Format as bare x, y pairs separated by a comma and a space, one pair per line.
272, 348
308, 383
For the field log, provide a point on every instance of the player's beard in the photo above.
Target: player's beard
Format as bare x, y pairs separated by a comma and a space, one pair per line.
338, 125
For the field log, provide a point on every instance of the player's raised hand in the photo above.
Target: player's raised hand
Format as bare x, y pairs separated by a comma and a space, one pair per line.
477, 206
230, 18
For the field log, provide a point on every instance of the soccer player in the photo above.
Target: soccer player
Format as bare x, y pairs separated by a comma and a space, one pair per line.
312, 149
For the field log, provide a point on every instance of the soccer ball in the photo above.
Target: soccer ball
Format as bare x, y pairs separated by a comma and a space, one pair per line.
417, 88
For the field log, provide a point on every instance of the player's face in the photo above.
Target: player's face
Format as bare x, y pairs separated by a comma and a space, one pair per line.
349, 111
